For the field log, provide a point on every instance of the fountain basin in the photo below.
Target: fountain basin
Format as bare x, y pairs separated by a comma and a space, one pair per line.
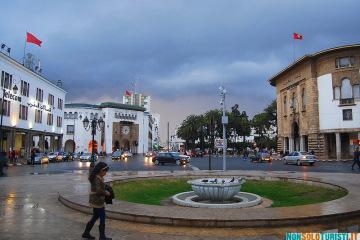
222, 190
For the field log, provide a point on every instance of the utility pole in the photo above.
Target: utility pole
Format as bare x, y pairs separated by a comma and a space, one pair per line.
168, 140
224, 121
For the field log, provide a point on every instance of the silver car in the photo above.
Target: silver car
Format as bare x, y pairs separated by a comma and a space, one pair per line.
300, 157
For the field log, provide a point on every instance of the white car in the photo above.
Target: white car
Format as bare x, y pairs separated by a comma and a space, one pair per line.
86, 157
126, 154
300, 157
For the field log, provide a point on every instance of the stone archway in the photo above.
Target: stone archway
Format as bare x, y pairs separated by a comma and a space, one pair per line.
95, 146
116, 145
296, 136
125, 145
69, 146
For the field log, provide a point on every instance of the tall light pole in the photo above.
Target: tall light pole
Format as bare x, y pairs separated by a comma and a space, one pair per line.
224, 121
93, 125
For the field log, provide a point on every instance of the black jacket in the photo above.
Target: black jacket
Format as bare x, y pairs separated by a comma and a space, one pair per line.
108, 199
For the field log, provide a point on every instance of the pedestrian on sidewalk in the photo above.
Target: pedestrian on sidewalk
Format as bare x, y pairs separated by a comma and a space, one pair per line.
32, 157
97, 200
356, 158
3, 162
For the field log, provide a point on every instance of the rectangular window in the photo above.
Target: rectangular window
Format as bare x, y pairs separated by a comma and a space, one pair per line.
344, 62
70, 129
60, 103
23, 112
347, 114
356, 90
51, 100
50, 119
24, 90
59, 121
303, 99
38, 116
6, 106
6, 80
39, 95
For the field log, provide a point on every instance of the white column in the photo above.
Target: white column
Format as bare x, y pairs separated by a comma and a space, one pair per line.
302, 143
358, 136
284, 148
338, 146
291, 144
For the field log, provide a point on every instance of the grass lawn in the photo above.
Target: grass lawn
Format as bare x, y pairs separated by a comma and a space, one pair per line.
153, 191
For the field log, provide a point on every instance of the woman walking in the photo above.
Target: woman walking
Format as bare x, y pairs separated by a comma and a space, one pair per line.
356, 158
97, 200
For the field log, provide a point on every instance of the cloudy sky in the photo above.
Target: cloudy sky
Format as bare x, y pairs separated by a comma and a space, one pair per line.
179, 52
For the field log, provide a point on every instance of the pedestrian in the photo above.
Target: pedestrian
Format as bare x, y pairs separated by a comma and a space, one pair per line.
3, 162
32, 157
97, 200
356, 158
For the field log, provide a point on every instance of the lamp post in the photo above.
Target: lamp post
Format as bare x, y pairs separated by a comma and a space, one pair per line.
224, 121
93, 125
15, 89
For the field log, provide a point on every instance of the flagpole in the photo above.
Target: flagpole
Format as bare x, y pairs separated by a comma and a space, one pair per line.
24, 50
294, 49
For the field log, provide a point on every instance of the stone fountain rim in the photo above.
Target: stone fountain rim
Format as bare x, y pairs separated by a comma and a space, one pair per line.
197, 182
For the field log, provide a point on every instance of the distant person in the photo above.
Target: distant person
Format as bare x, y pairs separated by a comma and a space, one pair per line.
97, 200
3, 162
356, 158
32, 157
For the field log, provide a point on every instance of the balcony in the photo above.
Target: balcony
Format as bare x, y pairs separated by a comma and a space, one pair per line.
347, 102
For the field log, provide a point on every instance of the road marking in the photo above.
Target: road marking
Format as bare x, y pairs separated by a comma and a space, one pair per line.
194, 168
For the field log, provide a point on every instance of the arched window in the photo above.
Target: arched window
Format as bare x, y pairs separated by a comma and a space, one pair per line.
346, 89
285, 105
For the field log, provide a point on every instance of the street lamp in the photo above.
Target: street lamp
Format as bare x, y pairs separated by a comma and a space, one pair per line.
93, 125
15, 89
224, 121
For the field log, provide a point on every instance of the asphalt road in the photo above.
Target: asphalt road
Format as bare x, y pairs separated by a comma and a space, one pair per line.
138, 163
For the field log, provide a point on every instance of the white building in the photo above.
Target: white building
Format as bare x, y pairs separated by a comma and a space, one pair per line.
138, 99
127, 127
33, 109
156, 129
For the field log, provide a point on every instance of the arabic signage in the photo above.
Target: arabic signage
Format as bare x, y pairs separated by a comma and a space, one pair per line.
40, 106
9, 95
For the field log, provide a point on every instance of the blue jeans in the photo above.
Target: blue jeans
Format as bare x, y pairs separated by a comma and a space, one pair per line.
98, 213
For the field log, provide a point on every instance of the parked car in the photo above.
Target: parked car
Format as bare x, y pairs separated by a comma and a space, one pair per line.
52, 156
170, 157
261, 157
66, 156
86, 157
41, 158
116, 155
300, 157
126, 154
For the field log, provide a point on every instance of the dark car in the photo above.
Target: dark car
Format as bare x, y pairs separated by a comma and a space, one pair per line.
170, 157
116, 155
261, 157
67, 156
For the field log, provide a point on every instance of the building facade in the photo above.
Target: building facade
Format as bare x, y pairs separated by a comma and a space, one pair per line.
318, 103
32, 109
127, 128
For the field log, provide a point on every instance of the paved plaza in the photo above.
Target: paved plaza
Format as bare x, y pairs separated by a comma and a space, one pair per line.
30, 208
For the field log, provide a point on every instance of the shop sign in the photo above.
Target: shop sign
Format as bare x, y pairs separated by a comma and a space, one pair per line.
9, 95
40, 106
355, 142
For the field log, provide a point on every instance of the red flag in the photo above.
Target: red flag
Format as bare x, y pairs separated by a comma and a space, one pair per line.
32, 39
127, 93
298, 36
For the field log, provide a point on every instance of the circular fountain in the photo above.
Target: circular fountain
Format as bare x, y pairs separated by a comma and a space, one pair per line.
216, 193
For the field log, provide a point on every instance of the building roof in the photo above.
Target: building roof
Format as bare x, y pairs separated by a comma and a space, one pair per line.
301, 60
105, 105
121, 106
81, 105
12, 60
